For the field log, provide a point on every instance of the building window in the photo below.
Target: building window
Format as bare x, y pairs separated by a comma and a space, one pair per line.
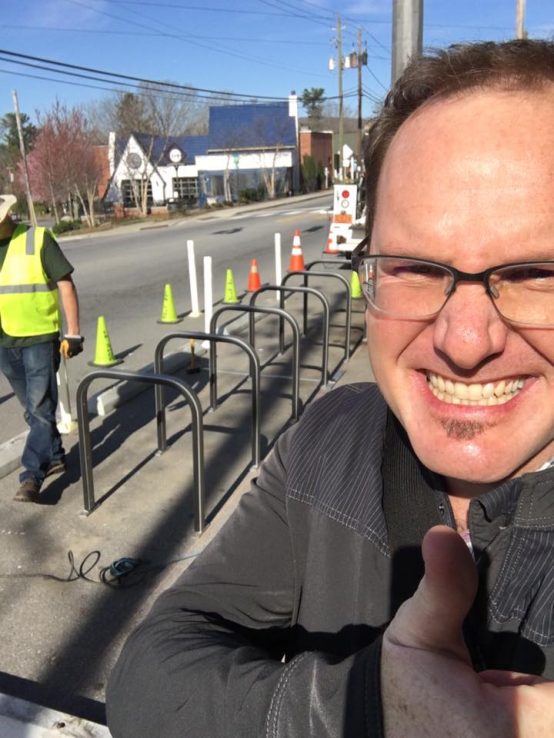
131, 192
185, 188
217, 186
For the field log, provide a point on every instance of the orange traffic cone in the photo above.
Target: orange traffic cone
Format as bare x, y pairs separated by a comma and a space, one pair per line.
254, 281
332, 246
296, 263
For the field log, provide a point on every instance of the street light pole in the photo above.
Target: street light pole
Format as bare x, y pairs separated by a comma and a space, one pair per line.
360, 62
407, 33
520, 19
341, 111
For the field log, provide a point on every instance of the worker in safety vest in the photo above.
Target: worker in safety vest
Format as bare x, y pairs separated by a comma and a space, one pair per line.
35, 277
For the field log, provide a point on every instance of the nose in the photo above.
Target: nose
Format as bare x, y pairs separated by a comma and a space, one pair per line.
468, 330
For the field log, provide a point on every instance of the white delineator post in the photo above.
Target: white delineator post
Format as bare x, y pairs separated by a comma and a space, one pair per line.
278, 266
208, 297
195, 307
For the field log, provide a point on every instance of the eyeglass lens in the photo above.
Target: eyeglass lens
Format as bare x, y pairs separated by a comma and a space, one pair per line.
409, 288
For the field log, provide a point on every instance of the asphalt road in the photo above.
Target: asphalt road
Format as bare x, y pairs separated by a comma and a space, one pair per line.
121, 276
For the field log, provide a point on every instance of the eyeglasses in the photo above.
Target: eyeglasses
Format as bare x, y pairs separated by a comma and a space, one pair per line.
418, 289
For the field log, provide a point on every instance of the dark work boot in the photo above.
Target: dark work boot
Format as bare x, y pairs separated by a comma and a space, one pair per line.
29, 491
56, 467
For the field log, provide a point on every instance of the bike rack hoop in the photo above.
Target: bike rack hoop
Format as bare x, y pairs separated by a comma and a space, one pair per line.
283, 315
327, 275
325, 305
254, 373
157, 380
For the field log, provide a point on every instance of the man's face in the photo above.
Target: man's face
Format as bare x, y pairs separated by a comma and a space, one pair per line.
469, 182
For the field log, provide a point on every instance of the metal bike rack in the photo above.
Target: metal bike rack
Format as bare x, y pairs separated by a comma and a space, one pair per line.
338, 262
157, 380
305, 290
252, 309
254, 373
332, 275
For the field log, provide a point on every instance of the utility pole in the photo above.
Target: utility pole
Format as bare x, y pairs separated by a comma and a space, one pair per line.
30, 205
341, 112
407, 33
361, 58
520, 19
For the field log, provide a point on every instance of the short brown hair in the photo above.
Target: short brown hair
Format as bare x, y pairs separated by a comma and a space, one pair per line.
518, 64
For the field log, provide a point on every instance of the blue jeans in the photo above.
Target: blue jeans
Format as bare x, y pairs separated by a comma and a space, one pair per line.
31, 371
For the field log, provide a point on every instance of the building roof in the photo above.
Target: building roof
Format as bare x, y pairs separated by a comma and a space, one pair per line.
158, 147
235, 127
251, 126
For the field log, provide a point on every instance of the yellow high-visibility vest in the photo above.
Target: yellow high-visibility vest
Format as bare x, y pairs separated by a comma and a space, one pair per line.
29, 303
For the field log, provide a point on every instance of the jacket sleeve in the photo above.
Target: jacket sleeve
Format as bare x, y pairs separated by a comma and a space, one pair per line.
208, 661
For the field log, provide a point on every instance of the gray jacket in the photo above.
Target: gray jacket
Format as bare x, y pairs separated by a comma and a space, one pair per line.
274, 631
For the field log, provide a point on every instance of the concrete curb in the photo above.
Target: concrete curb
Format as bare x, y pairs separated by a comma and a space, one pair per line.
22, 719
10, 454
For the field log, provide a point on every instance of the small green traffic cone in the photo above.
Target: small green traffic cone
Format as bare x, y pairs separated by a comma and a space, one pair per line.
169, 314
103, 354
230, 296
355, 286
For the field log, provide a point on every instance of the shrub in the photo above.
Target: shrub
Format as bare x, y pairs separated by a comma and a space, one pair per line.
65, 226
252, 194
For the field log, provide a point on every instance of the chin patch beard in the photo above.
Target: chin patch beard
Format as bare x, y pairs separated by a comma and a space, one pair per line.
462, 430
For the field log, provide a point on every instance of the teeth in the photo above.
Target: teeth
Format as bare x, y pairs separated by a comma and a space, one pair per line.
458, 393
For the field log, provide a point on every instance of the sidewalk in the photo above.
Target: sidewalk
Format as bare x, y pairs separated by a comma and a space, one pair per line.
66, 611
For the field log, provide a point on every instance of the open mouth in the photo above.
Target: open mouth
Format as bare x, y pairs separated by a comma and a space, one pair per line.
460, 393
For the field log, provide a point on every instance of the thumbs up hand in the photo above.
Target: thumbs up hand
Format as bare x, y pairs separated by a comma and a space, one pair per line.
428, 685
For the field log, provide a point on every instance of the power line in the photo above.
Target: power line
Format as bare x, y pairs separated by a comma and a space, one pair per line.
157, 91
224, 98
107, 32
294, 12
176, 6
129, 78
376, 78
180, 37
124, 87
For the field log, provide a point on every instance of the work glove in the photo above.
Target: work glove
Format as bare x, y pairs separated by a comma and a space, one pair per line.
71, 346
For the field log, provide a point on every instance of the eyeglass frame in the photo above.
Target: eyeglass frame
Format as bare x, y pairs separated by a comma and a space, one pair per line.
458, 276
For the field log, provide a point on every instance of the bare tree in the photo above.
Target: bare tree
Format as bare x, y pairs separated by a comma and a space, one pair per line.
64, 162
172, 113
152, 110
280, 134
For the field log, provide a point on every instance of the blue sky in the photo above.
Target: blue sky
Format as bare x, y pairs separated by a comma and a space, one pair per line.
254, 47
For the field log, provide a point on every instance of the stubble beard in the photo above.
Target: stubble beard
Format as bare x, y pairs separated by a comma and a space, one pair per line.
463, 430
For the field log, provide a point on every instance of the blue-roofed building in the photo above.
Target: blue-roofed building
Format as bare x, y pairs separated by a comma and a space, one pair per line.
251, 147
149, 171
248, 148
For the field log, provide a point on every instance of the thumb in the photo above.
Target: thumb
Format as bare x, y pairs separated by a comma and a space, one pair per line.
432, 619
